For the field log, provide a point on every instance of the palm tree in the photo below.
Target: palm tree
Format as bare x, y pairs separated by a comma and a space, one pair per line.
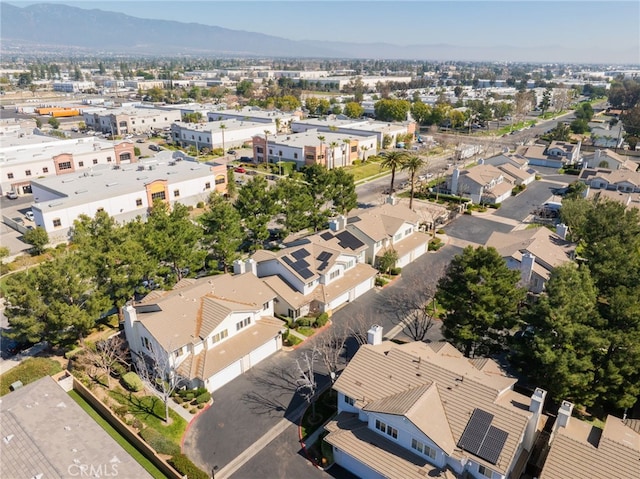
321, 138
222, 128
393, 160
333, 145
413, 165
266, 146
346, 146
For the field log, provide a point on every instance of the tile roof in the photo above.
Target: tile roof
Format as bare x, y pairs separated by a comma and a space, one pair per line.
381, 375
408, 244
582, 451
481, 174
384, 221
195, 308
382, 455
516, 173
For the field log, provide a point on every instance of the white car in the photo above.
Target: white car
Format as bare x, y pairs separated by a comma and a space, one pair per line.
29, 215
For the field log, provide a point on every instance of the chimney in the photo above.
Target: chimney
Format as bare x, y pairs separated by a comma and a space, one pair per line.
238, 267
392, 200
454, 181
481, 161
251, 266
338, 223
564, 415
374, 335
526, 268
561, 230
596, 158
536, 406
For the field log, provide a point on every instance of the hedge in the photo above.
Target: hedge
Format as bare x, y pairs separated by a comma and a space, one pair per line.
161, 443
203, 398
322, 320
132, 382
184, 466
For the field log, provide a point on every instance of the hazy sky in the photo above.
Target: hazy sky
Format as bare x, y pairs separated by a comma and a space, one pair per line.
584, 24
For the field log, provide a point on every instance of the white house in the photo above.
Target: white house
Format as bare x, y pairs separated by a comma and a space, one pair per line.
482, 183
621, 180
124, 191
316, 274
421, 410
210, 329
609, 160
556, 155
392, 226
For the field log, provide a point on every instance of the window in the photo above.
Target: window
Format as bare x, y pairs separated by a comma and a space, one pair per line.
334, 274
139, 202
259, 149
295, 156
176, 193
385, 428
407, 232
159, 195
207, 186
220, 180
95, 161
423, 448
99, 210
216, 338
486, 472
354, 149
57, 223
45, 170
349, 400
179, 351
80, 164
27, 172
108, 159
243, 324
125, 156
397, 237
265, 306
146, 343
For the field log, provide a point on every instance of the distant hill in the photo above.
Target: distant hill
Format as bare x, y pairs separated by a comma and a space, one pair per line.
46, 28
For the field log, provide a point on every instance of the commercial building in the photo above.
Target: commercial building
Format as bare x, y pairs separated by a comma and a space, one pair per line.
123, 121
218, 134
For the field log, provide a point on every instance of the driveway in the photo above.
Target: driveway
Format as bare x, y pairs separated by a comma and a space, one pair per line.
519, 207
475, 229
256, 403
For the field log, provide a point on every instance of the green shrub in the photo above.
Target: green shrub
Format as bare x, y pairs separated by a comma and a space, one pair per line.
119, 370
306, 322
193, 410
200, 204
435, 244
186, 405
200, 390
203, 398
159, 442
467, 212
200, 406
132, 382
322, 320
184, 466
381, 281
178, 399
396, 270
440, 231
357, 162
190, 395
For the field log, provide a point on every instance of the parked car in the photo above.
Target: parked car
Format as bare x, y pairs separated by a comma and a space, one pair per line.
154, 147
231, 152
12, 195
240, 169
252, 172
29, 215
140, 140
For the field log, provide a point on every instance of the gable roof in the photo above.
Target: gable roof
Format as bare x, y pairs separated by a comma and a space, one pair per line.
582, 451
416, 379
194, 308
482, 174
384, 221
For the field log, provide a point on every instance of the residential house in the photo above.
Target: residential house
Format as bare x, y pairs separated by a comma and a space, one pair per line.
534, 252
392, 226
609, 160
332, 151
621, 180
210, 330
556, 155
316, 274
416, 410
581, 450
630, 200
513, 159
482, 183
124, 191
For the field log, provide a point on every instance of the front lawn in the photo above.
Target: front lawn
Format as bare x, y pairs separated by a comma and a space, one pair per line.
28, 371
364, 170
150, 411
326, 406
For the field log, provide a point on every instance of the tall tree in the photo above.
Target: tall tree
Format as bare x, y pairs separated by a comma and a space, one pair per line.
295, 204
320, 188
413, 164
343, 191
393, 161
481, 297
256, 206
222, 230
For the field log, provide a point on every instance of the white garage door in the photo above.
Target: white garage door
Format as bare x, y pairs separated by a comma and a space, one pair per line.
343, 298
354, 466
364, 287
223, 377
419, 251
405, 260
264, 351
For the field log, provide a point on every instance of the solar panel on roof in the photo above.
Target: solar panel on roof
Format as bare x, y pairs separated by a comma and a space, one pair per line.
326, 235
305, 273
300, 253
324, 256
347, 240
481, 438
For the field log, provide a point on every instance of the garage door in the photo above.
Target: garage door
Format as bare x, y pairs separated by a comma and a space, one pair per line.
223, 377
419, 251
264, 351
343, 298
403, 261
364, 287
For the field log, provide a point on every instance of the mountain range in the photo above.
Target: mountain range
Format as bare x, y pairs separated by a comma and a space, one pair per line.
48, 28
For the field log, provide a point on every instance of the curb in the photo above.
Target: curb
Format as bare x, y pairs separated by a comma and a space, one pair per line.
191, 422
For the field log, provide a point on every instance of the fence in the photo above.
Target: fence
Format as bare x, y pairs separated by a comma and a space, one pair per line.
128, 433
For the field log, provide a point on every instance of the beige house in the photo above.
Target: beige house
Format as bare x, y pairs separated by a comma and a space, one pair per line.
482, 183
580, 450
534, 252
609, 160
622, 180
421, 410
210, 330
